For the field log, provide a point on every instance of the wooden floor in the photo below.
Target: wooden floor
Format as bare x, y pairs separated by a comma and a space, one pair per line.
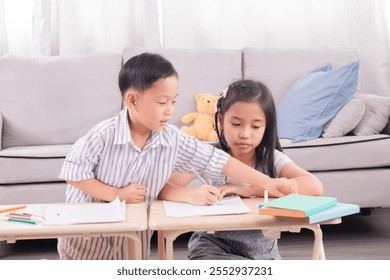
359, 237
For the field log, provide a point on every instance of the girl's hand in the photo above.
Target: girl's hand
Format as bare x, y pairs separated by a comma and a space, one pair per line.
204, 195
243, 191
132, 193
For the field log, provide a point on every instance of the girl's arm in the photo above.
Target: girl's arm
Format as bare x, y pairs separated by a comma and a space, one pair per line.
176, 190
307, 183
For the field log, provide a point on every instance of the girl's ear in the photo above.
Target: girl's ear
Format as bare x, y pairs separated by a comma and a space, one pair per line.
219, 117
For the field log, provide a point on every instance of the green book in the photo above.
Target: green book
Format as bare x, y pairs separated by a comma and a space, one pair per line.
297, 205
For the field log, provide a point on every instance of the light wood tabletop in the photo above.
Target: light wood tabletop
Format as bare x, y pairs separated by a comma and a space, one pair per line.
136, 220
169, 228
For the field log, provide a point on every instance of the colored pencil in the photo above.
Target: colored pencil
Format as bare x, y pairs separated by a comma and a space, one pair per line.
22, 221
12, 209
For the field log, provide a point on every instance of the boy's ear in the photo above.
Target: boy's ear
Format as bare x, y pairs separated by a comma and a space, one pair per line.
131, 98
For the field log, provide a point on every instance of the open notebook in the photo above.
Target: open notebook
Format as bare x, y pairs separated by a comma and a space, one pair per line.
85, 213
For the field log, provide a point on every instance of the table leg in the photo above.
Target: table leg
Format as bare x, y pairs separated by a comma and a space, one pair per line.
134, 246
169, 237
318, 247
161, 245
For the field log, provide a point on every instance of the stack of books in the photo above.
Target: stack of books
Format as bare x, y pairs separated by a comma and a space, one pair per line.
307, 209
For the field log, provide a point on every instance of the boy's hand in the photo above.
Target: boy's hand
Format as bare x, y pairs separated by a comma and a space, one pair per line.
132, 193
281, 186
204, 195
292, 188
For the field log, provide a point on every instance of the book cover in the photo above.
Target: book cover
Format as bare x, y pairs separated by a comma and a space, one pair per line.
297, 205
337, 211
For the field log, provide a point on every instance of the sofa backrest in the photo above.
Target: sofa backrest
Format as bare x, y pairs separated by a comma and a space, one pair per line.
56, 100
200, 70
279, 68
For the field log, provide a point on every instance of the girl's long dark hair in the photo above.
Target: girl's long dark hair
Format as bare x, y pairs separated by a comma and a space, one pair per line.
252, 91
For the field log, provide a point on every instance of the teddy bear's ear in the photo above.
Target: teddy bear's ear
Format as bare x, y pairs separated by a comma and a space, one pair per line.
198, 96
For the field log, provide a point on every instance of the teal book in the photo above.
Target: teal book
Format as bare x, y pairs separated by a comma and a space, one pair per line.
333, 212
297, 205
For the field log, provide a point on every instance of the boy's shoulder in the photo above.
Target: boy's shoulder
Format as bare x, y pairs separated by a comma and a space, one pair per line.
174, 131
103, 127
171, 128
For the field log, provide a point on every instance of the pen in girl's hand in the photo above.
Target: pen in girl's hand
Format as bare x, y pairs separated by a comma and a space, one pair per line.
202, 180
199, 177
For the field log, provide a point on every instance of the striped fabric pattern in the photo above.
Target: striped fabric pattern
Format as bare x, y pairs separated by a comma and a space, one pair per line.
107, 153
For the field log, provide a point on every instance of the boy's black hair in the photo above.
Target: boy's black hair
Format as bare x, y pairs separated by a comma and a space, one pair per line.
141, 71
253, 91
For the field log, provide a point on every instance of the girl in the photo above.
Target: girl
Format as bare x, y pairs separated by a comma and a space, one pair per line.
246, 126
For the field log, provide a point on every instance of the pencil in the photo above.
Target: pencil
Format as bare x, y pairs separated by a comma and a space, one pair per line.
12, 209
22, 221
199, 177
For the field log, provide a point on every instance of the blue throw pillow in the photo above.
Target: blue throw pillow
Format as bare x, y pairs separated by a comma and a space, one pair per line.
314, 99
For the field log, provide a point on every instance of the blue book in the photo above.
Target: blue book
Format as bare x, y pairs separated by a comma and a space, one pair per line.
297, 205
337, 211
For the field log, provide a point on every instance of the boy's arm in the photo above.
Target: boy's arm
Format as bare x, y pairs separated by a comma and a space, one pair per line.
131, 193
237, 170
306, 182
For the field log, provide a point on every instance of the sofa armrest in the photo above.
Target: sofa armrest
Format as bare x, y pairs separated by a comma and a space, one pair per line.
386, 130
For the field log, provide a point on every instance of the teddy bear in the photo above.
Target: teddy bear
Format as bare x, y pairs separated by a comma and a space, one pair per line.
203, 121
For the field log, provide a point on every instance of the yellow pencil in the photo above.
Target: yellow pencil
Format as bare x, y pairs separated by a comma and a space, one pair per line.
12, 209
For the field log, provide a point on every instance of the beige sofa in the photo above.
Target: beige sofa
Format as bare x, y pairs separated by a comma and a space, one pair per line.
47, 103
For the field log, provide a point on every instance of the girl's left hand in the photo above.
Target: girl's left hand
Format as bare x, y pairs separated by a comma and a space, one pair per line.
228, 189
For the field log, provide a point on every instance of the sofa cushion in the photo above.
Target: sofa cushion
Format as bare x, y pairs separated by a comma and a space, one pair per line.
341, 153
365, 187
345, 120
279, 68
56, 100
32, 164
33, 193
200, 70
314, 99
376, 115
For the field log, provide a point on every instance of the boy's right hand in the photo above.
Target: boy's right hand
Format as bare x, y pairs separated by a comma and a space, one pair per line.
204, 195
132, 193
281, 186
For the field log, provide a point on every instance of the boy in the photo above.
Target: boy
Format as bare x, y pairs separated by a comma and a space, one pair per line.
133, 154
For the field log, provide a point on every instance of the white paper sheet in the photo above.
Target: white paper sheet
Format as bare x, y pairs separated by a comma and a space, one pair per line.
228, 205
85, 213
